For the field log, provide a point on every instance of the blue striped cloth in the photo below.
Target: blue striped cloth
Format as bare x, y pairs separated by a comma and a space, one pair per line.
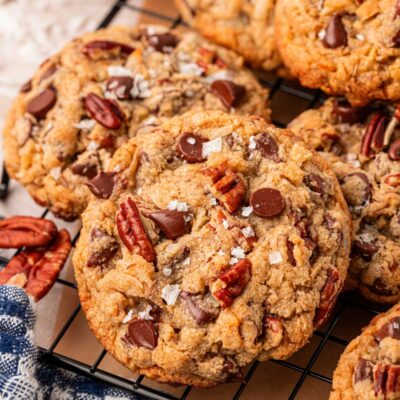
22, 375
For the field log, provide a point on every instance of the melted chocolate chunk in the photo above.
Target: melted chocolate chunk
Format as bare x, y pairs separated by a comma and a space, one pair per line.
267, 146
390, 329
267, 203
171, 222
142, 333
228, 92
190, 147
102, 184
336, 34
40, 105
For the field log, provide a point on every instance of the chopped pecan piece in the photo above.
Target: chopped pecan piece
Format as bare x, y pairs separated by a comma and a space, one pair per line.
131, 230
38, 268
21, 231
273, 329
227, 186
236, 278
373, 136
327, 299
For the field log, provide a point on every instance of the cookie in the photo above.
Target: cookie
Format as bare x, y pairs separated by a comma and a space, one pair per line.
363, 146
88, 99
369, 368
223, 240
346, 47
243, 26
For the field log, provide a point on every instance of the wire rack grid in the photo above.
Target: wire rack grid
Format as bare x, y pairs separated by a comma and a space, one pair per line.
301, 99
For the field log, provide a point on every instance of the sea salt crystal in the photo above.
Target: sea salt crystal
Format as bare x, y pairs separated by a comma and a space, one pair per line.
170, 293
176, 205
191, 140
128, 317
145, 314
221, 253
322, 34
366, 237
252, 143
275, 257
213, 146
224, 75
246, 211
237, 253
167, 271
92, 145
55, 173
190, 69
186, 261
360, 36
140, 88
248, 232
119, 70
85, 124
213, 201
225, 223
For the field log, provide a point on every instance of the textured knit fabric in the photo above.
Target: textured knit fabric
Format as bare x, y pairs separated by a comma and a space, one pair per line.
22, 375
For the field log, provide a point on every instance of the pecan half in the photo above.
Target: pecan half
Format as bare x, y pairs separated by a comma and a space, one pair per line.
19, 231
227, 186
39, 268
327, 299
132, 232
373, 136
236, 278
386, 379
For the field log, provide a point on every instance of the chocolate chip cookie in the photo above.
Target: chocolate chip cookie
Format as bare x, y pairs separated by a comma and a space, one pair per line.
88, 99
346, 47
370, 366
244, 26
363, 146
221, 240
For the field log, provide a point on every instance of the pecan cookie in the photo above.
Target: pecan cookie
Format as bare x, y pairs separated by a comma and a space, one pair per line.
223, 240
369, 368
244, 26
344, 47
363, 146
88, 99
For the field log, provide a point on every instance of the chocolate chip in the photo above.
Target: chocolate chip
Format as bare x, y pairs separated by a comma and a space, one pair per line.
49, 72
379, 287
363, 371
316, 184
40, 105
120, 86
104, 111
390, 329
394, 150
105, 248
396, 39
228, 92
267, 203
356, 189
142, 333
347, 113
172, 223
102, 184
163, 42
365, 249
336, 34
87, 170
190, 147
26, 87
290, 252
201, 315
267, 146
98, 48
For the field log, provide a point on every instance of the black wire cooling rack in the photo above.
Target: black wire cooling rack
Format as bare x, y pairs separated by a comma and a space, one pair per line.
280, 92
